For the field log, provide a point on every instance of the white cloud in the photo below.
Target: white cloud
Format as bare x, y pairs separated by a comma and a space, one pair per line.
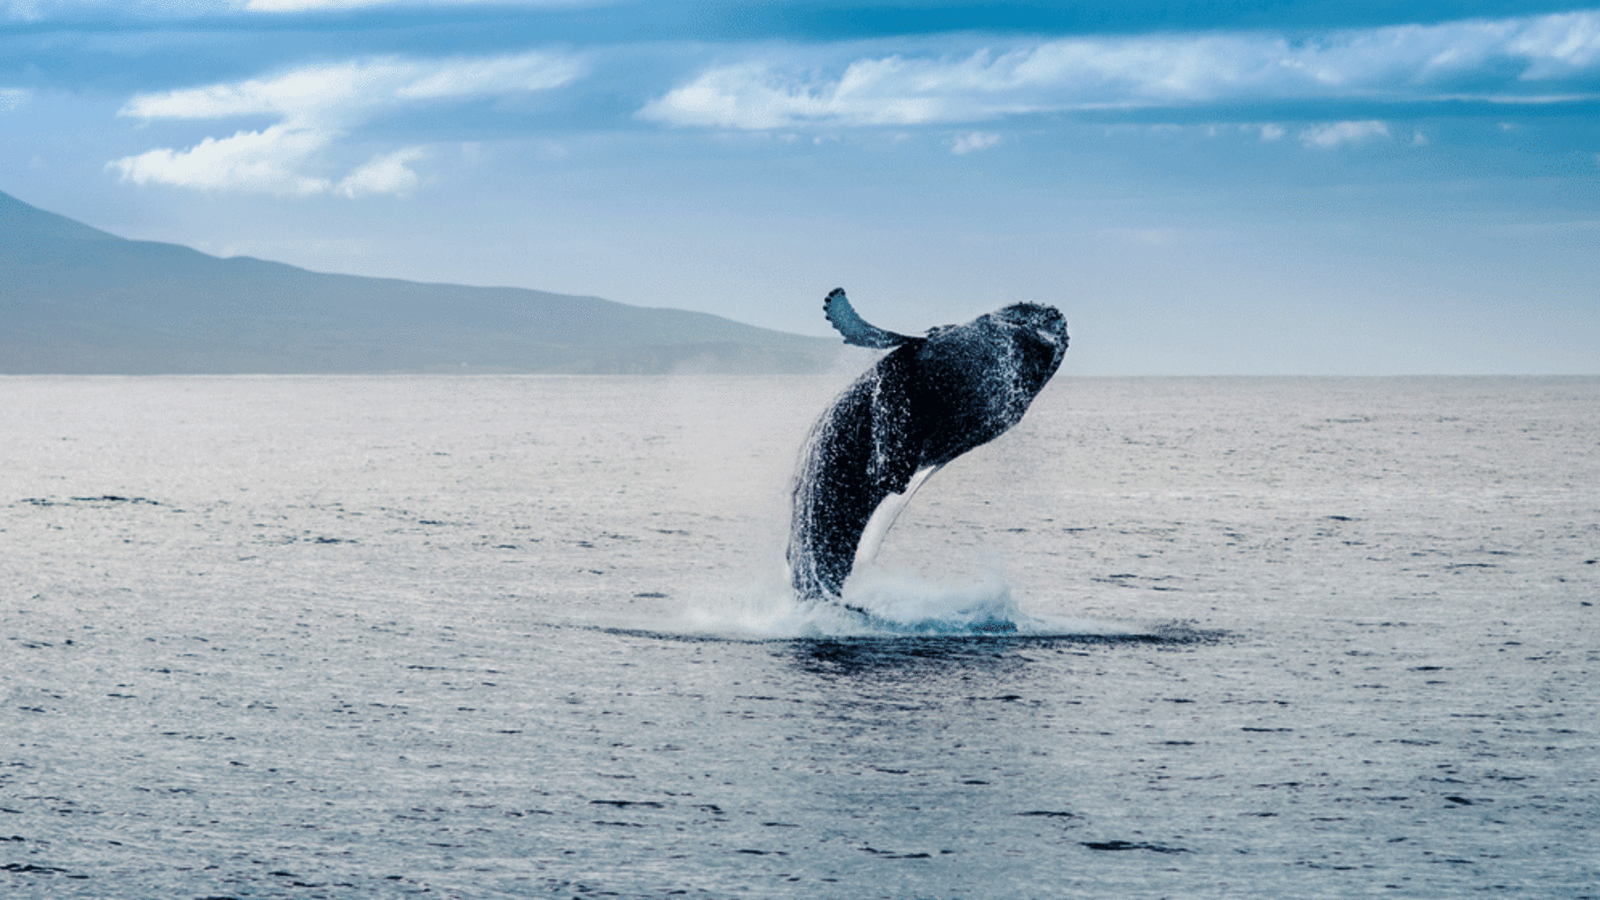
1391, 63
268, 161
11, 98
385, 174
977, 140
1271, 132
1334, 134
41, 10
490, 75
316, 106
1560, 44
357, 88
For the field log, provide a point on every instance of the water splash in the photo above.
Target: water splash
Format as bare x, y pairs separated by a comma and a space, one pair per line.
885, 605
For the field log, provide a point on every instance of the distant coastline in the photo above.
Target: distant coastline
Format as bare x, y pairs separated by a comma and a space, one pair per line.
77, 300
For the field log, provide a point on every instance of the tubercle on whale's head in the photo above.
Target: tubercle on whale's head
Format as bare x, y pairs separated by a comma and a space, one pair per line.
1037, 324
1046, 319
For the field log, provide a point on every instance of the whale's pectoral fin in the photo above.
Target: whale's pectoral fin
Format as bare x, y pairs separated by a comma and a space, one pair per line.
854, 328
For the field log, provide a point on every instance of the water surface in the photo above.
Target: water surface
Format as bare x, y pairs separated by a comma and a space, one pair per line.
371, 637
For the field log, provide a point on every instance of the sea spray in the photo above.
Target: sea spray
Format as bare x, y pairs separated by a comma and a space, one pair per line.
878, 603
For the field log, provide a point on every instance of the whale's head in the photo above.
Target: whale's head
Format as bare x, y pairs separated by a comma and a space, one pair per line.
987, 372
1038, 336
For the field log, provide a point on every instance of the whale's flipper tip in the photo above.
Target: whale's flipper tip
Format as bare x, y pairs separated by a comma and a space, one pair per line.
855, 330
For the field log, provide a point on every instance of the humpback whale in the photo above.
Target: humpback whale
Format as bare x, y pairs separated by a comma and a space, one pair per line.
927, 401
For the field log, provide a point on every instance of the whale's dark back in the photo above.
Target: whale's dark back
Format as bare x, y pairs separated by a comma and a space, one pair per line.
928, 401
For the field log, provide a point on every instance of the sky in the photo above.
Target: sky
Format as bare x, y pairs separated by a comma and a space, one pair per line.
1261, 187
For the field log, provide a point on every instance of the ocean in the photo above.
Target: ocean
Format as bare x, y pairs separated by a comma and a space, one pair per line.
465, 636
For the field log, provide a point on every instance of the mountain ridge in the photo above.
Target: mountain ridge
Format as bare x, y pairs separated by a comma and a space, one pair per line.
78, 300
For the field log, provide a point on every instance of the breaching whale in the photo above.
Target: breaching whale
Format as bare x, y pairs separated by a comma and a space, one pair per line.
927, 401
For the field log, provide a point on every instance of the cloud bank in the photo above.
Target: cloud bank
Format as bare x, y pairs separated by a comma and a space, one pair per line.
316, 106
1505, 60
305, 117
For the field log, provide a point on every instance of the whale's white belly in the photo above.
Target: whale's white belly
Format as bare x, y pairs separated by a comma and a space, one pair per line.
888, 510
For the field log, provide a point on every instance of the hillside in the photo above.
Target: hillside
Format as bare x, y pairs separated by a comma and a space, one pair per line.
76, 300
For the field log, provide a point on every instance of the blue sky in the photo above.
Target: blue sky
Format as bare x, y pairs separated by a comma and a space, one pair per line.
1202, 188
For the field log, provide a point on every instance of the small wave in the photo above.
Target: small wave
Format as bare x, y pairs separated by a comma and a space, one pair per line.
879, 604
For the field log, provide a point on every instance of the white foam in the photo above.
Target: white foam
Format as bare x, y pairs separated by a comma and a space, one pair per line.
889, 605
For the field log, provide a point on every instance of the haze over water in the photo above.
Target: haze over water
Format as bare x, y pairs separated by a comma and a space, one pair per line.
528, 636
